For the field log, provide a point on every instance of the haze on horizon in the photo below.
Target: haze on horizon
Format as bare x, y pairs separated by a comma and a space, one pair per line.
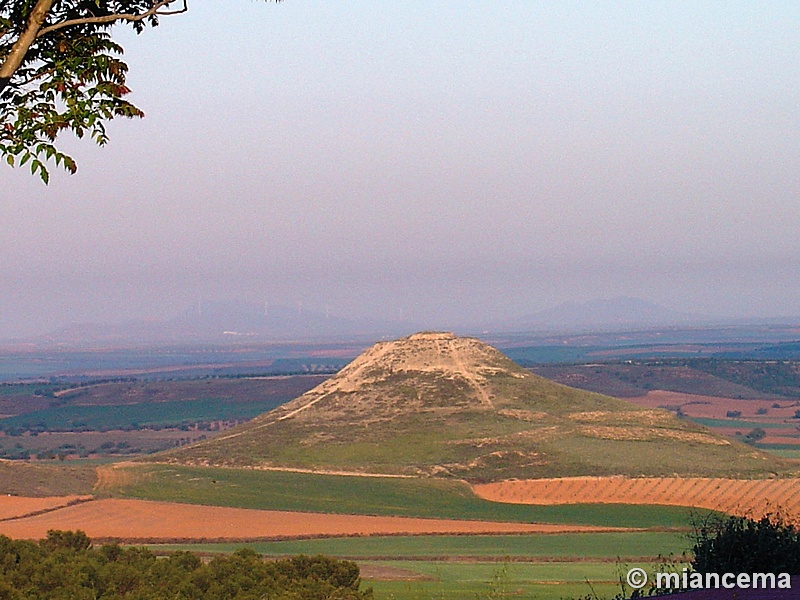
442, 162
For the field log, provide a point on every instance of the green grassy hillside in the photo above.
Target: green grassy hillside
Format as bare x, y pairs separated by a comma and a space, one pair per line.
437, 405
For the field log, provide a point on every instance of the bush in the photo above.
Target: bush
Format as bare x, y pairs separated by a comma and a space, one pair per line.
755, 435
742, 545
65, 565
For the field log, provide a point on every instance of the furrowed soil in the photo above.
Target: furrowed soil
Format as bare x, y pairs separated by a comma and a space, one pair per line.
14, 507
146, 521
743, 497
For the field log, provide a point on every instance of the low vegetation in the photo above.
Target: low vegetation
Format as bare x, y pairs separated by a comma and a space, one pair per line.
21, 478
724, 377
736, 544
66, 566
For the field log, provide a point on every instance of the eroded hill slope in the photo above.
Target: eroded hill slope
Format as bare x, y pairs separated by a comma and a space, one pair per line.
436, 404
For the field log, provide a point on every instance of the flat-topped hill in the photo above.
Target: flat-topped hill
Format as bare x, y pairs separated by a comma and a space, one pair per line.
436, 404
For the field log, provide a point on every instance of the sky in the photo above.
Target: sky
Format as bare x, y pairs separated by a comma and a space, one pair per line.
445, 162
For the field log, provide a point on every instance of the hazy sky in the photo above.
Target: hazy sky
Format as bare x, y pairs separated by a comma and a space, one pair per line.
447, 161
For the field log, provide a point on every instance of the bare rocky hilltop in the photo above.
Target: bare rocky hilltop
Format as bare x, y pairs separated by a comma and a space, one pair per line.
433, 404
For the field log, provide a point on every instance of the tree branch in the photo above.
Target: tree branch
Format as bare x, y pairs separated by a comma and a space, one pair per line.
20, 47
153, 11
34, 30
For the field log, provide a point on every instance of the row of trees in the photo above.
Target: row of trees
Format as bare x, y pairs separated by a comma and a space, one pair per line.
65, 566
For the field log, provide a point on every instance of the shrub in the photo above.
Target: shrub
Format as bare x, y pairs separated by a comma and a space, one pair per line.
742, 545
65, 565
755, 435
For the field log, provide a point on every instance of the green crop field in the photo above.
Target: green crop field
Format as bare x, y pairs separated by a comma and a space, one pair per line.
432, 498
638, 544
459, 581
787, 453
538, 566
99, 418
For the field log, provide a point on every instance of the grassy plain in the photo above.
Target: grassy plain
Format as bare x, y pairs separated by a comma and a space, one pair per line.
21, 478
431, 498
551, 566
125, 416
478, 580
606, 546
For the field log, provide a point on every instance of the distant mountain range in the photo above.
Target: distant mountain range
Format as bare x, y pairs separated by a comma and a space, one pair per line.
227, 322
605, 314
234, 321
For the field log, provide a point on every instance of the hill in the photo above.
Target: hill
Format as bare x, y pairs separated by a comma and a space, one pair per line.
603, 314
434, 404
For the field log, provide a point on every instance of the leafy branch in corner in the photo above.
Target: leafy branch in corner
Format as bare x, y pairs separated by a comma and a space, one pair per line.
60, 70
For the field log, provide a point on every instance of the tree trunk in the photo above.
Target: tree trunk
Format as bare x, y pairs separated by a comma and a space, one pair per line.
20, 47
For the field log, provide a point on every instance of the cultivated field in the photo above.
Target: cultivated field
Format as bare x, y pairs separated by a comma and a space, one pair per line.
535, 547
746, 497
716, 407
141, 520
14, 507
336, 494
541, 566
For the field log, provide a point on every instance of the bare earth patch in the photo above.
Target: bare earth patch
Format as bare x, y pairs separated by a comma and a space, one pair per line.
744, 497
141, 520
12, 507
376, 571
714, 407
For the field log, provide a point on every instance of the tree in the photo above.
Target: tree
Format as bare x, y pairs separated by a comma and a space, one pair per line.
60, 70
66, 566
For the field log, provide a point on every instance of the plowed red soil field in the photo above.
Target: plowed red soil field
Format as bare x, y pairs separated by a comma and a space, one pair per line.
140, 520
714, 407
733, 496
15, 506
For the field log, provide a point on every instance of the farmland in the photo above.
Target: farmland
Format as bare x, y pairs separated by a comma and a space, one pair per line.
535, 565
557, 561
737, 418
544, 538
458, 580
746, 497
136, 521
413, 497
532, 547
108, 418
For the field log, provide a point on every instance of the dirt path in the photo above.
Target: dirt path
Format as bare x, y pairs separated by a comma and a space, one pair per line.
462, 370
140, 520
733, 496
